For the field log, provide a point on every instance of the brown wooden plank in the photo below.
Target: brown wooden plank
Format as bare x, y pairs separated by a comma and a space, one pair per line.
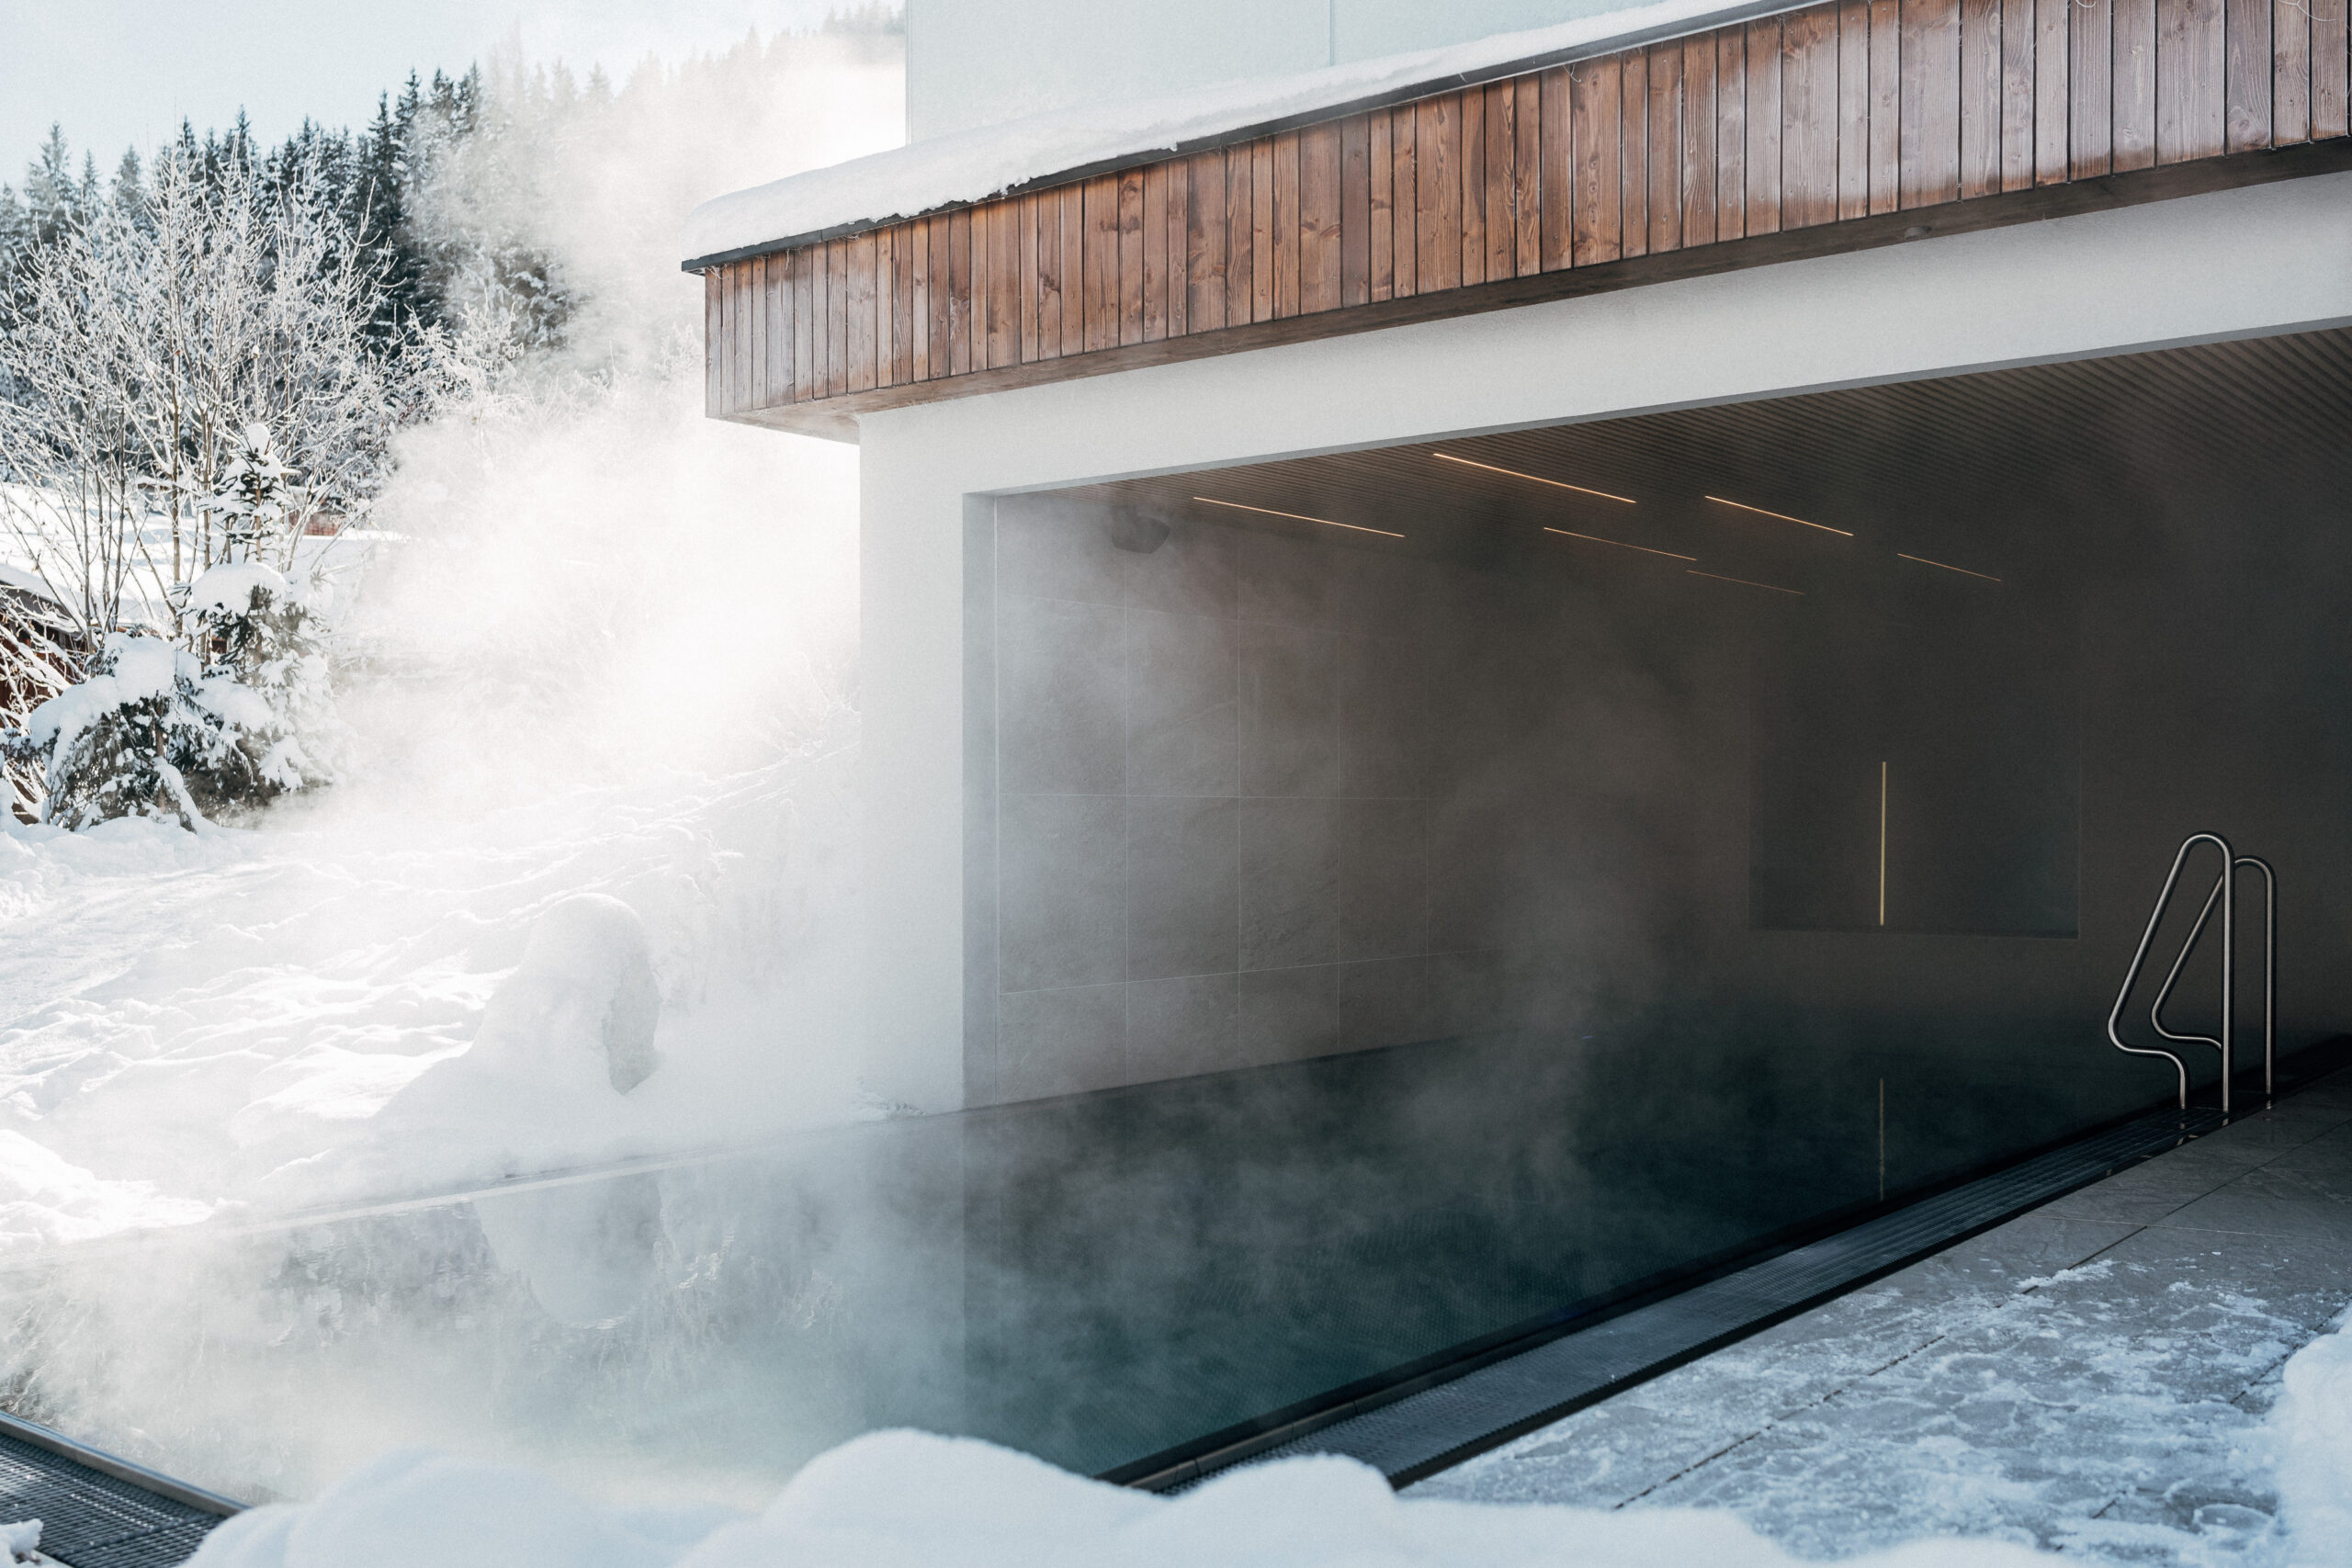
2192, 71
1241, 232
1764, 125
938, 242
1502, 179
780, 329
1319, 218
1666, 144
1557, 193
755, 305
1437, 192
905, 238
2134, 135
1074, 269
886, 305
837, 317
1854, 109
2090, 87
1380, 280
2330, 91
2290, 79
983, 293
1102, 263
747, 335
1527, 176
917, 245
1045, 244
2246, 33
1471, 105
1355, 209
1931, 102
1204, 245
1005, 284
1131, 256
1404, 208
804, 317
1634, 154
2018, 37
2051, 51
1155, 252
1180, 255
1809, 118
858, 321
1285, 230
1595, 216
1697, 160
731, 362
713, 336
1262, 229
1886, 105
959, 293
1980, 98
1731, 133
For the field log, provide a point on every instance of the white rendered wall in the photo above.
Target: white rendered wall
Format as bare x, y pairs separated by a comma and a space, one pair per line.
2246, 262
980, 62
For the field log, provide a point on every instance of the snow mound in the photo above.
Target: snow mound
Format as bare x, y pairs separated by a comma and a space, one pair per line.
2312, 1431
975, 165
913, 1500
45, 1200
143, 668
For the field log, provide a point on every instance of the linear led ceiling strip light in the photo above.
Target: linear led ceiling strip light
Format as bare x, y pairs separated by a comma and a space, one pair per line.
1949, 567
1620, 543
1295, 517
1784, 516
1533, 478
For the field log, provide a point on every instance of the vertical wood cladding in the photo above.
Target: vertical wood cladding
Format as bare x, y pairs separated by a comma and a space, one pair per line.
1811, 118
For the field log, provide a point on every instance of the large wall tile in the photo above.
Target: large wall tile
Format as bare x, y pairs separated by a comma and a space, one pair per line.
1290, 709
1062, 1041
1182, 704
1182, 1026
1290, 883
1383, 888
1190, 574
1062, 885
1283, 579
1289, 1014
1385, 733
1386, 1002
1048, 548
1182, 904
1061, 698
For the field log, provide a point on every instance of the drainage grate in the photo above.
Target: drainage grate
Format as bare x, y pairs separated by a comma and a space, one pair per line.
1415, 1435
91, 1519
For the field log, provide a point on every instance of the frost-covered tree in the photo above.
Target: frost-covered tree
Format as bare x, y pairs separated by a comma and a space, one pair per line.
113, 745
265, 683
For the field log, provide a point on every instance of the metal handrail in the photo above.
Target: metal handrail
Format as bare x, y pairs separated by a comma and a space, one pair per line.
2225, 893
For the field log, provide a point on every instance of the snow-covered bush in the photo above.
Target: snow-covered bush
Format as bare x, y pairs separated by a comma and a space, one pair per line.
113, 745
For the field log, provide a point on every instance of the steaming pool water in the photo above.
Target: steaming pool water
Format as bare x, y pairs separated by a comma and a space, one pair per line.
1111, 1281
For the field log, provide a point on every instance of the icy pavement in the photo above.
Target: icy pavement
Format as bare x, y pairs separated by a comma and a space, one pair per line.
2093, 1377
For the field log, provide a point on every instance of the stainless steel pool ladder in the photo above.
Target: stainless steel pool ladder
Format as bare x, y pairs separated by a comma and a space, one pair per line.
2225, 894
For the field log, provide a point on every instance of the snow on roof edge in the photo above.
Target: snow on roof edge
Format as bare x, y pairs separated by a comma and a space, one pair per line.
973, 165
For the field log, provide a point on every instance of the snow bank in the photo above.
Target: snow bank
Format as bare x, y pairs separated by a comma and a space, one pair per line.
974, 164
910, 1500
2312, 1431
45, 1200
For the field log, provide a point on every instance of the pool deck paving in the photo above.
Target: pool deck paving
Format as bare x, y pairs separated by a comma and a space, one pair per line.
2091, 1376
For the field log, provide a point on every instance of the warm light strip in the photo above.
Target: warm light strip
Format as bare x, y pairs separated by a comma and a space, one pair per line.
1295, 517
1539, 479
1746, 584
1949, 567
1881, 847
1782, 515
1620, 543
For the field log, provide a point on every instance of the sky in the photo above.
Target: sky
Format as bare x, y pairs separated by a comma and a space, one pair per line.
118, 73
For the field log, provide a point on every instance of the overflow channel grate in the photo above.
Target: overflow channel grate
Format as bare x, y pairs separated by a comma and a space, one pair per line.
91, 1517
1410, 1436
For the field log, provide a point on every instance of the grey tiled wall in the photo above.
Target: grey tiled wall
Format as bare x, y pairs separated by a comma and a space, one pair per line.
1237, 815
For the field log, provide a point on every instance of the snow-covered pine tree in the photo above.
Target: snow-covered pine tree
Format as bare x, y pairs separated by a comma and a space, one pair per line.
112, 746
265, 683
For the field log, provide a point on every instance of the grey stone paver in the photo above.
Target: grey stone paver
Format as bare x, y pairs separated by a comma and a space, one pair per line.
2091, 1376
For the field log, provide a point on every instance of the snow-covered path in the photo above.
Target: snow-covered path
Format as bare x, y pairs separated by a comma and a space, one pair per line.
2096, 1376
